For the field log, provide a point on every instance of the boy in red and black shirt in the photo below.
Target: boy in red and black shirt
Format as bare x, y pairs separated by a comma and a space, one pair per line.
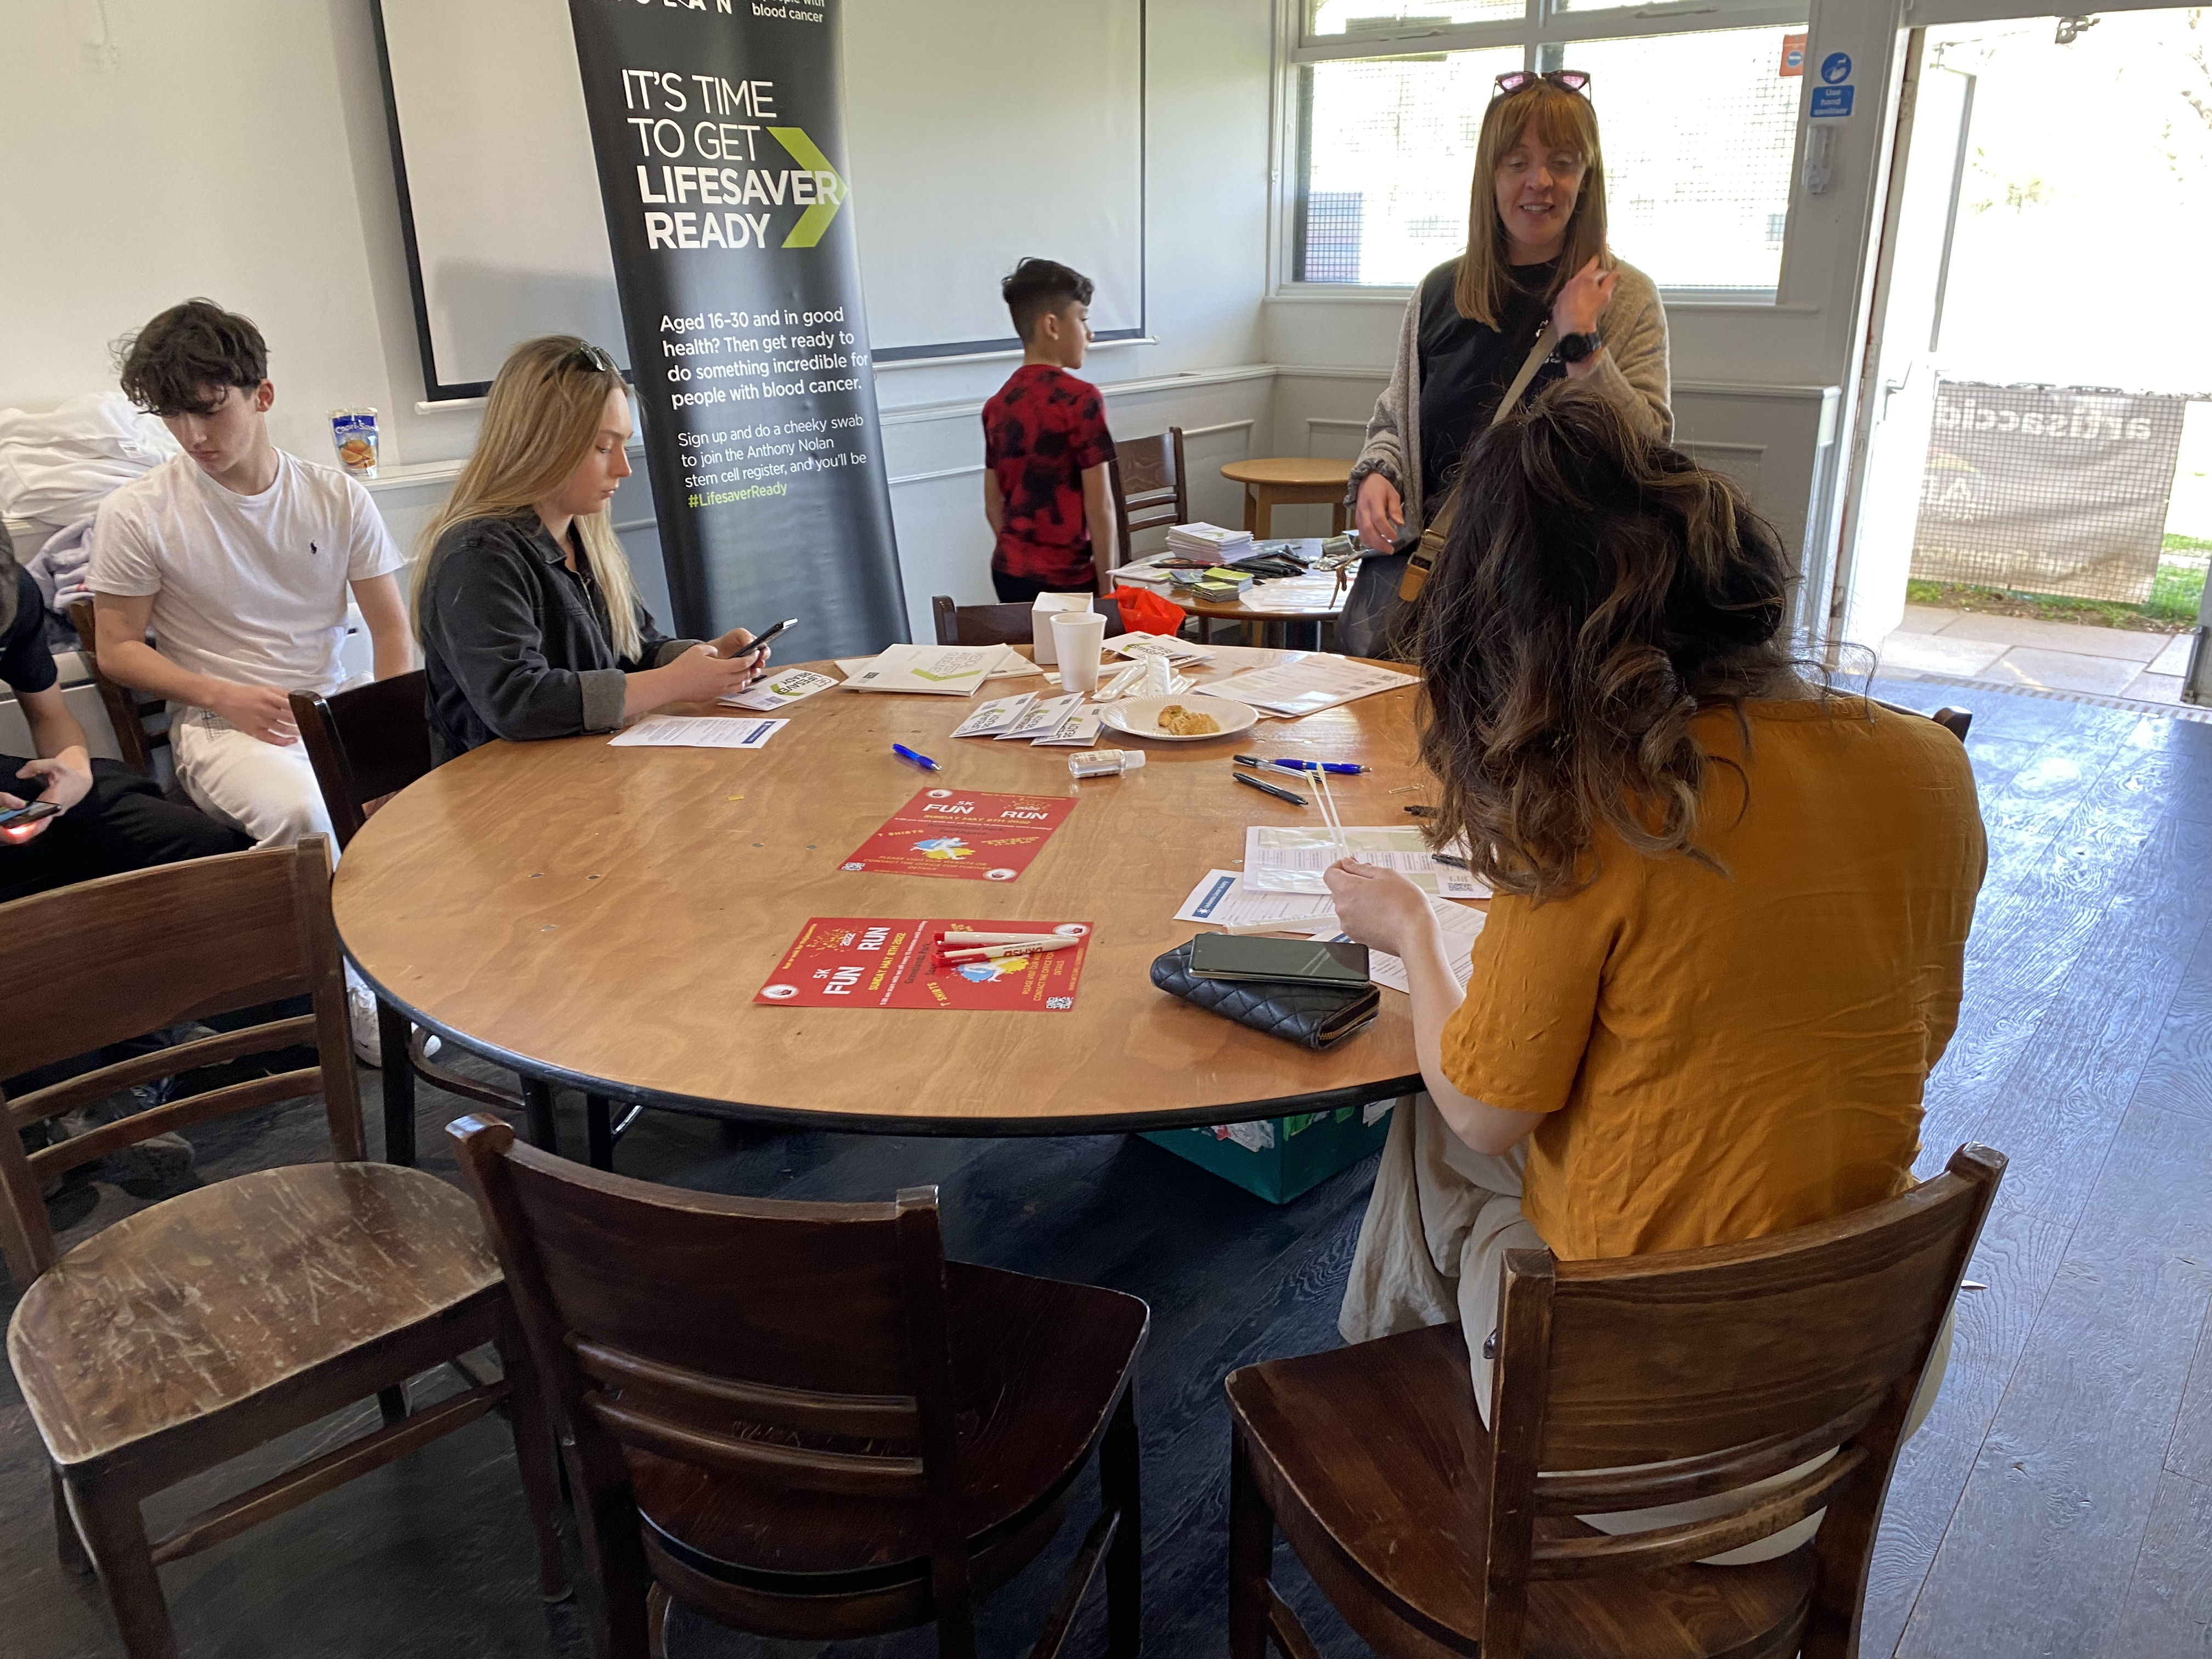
1045, 444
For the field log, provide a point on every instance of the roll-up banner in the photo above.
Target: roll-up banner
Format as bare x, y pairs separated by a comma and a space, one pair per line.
720, 131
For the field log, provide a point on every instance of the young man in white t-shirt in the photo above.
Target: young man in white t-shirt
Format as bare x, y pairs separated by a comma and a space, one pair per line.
240, 558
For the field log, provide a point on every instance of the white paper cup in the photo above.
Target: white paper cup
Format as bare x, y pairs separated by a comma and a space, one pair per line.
1077, 638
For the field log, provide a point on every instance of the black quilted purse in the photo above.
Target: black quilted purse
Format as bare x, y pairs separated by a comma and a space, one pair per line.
1314, 1016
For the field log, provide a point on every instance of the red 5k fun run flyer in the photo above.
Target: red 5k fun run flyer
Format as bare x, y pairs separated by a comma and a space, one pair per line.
894, 961
962, 835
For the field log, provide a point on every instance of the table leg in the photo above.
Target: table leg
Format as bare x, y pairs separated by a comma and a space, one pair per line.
392, 1036
1259, 512
537, 1101
598, 1132
1249, 510
1336, 519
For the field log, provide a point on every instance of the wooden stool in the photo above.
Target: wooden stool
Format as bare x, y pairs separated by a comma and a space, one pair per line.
1289, 481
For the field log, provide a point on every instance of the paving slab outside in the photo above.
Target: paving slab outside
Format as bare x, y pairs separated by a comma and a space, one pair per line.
2049, 656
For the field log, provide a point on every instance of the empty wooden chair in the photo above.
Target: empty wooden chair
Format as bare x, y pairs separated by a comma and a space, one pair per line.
217, 1321
1000, 624
1150, 489
126, 711
800, 1420
1621, 1385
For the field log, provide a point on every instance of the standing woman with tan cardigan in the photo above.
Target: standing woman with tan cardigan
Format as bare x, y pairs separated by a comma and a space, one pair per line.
1537, 297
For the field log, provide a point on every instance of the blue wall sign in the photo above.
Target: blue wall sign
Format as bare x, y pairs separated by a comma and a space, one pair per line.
1836, 68
1831, 103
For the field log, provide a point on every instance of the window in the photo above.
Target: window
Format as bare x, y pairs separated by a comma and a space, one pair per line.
1699, 131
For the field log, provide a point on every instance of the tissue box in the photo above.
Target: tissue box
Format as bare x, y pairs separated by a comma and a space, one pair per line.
1281, 1157
1040, 623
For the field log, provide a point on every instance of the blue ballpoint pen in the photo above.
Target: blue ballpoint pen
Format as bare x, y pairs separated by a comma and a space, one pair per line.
1342, 768
919, 759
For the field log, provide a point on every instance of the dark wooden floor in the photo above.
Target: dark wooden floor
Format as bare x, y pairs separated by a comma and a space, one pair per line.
2059, 1502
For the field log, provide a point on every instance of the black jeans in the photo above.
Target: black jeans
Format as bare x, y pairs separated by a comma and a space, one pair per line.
124, 823
1020, 590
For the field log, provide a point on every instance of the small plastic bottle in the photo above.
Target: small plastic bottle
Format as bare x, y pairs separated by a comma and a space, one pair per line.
1104, 763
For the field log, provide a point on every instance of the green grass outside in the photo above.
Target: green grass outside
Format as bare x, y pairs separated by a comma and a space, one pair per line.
2175, 594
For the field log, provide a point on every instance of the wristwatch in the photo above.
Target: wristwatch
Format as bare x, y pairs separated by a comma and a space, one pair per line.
1573, 347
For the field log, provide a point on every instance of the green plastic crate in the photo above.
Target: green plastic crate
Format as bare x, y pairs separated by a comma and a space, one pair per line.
1280, 1157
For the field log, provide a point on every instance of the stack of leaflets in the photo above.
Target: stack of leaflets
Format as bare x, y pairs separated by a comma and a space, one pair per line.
1208, 541
1035, 719
1226, 578
943, 670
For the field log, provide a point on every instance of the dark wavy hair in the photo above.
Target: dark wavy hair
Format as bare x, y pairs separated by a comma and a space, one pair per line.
1597, 590
179, 363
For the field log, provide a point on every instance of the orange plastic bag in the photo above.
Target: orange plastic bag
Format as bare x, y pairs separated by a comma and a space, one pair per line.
1147, 613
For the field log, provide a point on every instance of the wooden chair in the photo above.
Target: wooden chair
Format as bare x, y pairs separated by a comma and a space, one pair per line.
217, 1321
365, 742
1649, 1380
126, 710
1150, 489
1000, 624
845, 1435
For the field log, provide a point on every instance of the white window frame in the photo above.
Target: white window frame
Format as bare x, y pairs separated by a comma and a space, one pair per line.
1543, 23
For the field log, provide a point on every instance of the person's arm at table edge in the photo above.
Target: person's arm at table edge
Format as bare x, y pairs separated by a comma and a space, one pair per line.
1436, 997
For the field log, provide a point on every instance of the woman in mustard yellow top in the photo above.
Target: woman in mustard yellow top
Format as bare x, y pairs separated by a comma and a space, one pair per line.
1726, 948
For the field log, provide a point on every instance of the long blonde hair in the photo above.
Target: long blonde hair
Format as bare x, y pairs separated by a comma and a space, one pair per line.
1565, 121
543, 415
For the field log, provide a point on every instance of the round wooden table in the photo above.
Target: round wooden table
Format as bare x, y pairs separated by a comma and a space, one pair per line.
602, 918
1289, 481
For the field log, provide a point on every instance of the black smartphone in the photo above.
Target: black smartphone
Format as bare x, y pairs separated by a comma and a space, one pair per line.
1312, 962
760, 640
15, 817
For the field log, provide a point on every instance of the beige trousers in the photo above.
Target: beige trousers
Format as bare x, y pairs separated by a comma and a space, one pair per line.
1432, 1249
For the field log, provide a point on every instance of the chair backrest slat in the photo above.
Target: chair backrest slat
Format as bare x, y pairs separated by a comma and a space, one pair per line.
1151, 488
104, 960
1000, 624
365, 742
759, 1337
1628, 1382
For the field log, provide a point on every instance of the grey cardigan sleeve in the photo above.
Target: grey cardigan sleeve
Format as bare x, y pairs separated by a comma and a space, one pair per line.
1393, 444
1632, 370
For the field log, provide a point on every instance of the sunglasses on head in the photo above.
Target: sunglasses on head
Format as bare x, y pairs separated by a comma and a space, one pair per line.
1565, 79
588, 358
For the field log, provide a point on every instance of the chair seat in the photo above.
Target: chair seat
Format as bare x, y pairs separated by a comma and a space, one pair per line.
1037, 1367
205, 1300
1376, 1453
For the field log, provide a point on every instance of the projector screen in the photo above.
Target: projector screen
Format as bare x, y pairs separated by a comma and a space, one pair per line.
972, 147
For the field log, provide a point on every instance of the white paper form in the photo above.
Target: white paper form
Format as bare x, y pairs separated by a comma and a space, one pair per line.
1221, 899
996, 717
1278, 859
778, 692
1309, 683
696, 731
1461, 924
1179, 652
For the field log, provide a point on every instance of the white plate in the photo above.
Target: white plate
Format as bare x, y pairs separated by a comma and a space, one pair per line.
1140, 716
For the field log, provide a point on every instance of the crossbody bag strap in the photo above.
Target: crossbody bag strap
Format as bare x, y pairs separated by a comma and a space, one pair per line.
1432, 546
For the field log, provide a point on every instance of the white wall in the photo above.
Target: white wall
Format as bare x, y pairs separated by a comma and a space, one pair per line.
237, 149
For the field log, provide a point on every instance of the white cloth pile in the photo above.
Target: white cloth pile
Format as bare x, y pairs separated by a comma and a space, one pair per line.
56, 468
1209, 541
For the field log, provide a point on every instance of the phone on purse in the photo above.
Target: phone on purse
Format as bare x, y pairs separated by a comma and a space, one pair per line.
1310, 962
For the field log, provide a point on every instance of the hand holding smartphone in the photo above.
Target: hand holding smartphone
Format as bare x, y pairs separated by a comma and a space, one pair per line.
16, 817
